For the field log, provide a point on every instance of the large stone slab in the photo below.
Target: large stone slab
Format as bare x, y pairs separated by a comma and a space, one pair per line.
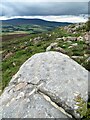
23, 101
51, 74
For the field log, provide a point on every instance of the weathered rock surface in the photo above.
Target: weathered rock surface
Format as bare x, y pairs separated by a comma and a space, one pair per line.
44, 87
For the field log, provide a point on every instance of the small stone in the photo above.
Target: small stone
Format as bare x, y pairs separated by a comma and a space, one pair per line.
59, 49
74, 45
8, 55
80, 38
48, 48
14, 64
52, 45
77, 57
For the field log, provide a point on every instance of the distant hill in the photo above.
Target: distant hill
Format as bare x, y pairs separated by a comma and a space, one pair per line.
22, 21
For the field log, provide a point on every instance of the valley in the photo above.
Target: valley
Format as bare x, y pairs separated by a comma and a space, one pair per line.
29, 26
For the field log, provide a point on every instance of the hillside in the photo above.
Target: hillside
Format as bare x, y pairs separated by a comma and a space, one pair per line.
71, 40
29, 26
20, 21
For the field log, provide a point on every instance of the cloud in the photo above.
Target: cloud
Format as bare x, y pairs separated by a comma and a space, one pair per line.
42, 8
62, 18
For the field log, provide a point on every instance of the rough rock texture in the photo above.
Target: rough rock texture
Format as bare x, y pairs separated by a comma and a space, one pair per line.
45, 87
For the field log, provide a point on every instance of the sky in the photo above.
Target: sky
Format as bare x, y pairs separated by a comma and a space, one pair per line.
52, 10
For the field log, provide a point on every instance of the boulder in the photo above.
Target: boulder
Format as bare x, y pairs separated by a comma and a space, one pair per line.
74, 44
8, 55
35, 40
46, 86
52, 45
80, 38
77, 57
69, 38
87, 38
59, 39
48, 48
59, 49
88, 59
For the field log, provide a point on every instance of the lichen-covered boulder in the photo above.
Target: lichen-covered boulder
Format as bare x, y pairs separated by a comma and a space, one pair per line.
46, 86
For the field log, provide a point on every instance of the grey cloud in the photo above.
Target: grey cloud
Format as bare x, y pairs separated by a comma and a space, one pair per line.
52, 8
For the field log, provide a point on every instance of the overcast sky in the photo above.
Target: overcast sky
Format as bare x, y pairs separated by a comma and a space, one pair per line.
42, 8
9, 8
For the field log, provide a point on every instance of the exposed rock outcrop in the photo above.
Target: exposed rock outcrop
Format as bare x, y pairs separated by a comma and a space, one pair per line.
45, 86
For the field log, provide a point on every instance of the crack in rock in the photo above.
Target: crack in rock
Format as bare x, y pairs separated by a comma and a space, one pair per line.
53, 99
48, 97
54, 104
59, 103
